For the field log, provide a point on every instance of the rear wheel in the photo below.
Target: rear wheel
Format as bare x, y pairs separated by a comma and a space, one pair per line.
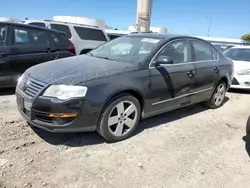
120, 118
218, 96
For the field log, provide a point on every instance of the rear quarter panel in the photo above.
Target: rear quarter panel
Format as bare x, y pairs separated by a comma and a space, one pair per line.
226, 69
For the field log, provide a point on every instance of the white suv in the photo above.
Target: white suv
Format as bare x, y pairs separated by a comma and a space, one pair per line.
84, 37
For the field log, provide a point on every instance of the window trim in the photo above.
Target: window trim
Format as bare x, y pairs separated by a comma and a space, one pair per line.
157, 53
191, 62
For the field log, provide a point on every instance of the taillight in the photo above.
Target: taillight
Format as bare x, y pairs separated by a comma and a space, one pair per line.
72, 48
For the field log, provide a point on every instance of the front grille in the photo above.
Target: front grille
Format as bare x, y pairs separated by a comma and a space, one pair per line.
31, 87
235, 82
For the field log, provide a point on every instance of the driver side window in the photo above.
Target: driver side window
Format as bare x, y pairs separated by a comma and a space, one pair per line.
179, 51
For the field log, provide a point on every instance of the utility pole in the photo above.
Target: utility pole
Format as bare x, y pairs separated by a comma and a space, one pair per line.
143, 15
209, 26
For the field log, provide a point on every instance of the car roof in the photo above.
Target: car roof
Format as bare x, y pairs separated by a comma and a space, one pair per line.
162, 36
32, 26
63, 23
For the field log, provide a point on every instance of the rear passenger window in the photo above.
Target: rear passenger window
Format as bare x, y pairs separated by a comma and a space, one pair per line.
2, 34
90, 34
215, 54
63, 28
26, 36
60, 41
202, 51
38, 24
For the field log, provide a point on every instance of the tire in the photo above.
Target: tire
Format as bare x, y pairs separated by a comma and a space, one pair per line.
122, 124
217, 99
248, 127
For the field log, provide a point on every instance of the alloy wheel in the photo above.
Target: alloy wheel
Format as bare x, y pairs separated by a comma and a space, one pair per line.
122, 118
219, 94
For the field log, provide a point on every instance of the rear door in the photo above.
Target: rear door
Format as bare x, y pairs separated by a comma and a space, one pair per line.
30, 46
206, 61
5, 71
173, 84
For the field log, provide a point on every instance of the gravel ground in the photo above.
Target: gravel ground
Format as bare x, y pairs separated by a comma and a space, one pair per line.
192, 147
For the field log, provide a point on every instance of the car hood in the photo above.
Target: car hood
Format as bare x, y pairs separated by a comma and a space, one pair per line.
241, 65
77, 69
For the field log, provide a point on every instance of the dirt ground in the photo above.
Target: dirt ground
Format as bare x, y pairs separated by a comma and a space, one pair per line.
192, 147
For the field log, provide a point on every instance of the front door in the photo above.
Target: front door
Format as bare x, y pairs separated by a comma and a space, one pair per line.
172, 84
29, 47
206, 69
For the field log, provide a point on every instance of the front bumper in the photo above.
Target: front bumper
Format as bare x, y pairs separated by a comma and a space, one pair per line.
36, 111
241, 82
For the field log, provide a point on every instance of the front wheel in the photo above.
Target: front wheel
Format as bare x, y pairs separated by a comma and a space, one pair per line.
120, 118
218, 96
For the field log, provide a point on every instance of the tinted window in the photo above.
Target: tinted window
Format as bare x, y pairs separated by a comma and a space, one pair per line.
179, 51
90, 34
60, 41
38, 24
215, 54
26, 36
2, 34
202, 51
241, 54
63, 28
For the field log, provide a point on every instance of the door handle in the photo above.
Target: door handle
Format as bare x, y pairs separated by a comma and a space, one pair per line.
216, 69
191, 73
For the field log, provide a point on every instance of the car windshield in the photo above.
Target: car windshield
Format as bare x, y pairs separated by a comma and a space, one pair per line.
126, 48
240, 54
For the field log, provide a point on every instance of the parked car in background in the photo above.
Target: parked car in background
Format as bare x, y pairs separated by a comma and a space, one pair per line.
23, 46
84, 37
115, 85
241, 60
222, 48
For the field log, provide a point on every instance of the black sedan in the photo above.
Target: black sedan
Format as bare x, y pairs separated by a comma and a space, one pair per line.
122, 81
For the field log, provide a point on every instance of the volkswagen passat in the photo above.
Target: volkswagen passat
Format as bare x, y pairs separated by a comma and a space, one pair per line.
241, 60
115, 85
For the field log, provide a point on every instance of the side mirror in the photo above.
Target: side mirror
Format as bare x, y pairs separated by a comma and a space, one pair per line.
164, 60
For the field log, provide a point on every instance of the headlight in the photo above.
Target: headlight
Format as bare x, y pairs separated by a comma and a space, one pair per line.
65, 92
244, 72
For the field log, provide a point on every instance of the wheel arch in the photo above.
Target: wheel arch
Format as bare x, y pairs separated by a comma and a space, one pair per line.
224, 79
132, 92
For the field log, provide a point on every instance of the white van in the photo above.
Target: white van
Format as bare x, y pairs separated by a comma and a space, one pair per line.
84, 37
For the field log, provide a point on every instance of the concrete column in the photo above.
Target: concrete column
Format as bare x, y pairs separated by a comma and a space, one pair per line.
143, 15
